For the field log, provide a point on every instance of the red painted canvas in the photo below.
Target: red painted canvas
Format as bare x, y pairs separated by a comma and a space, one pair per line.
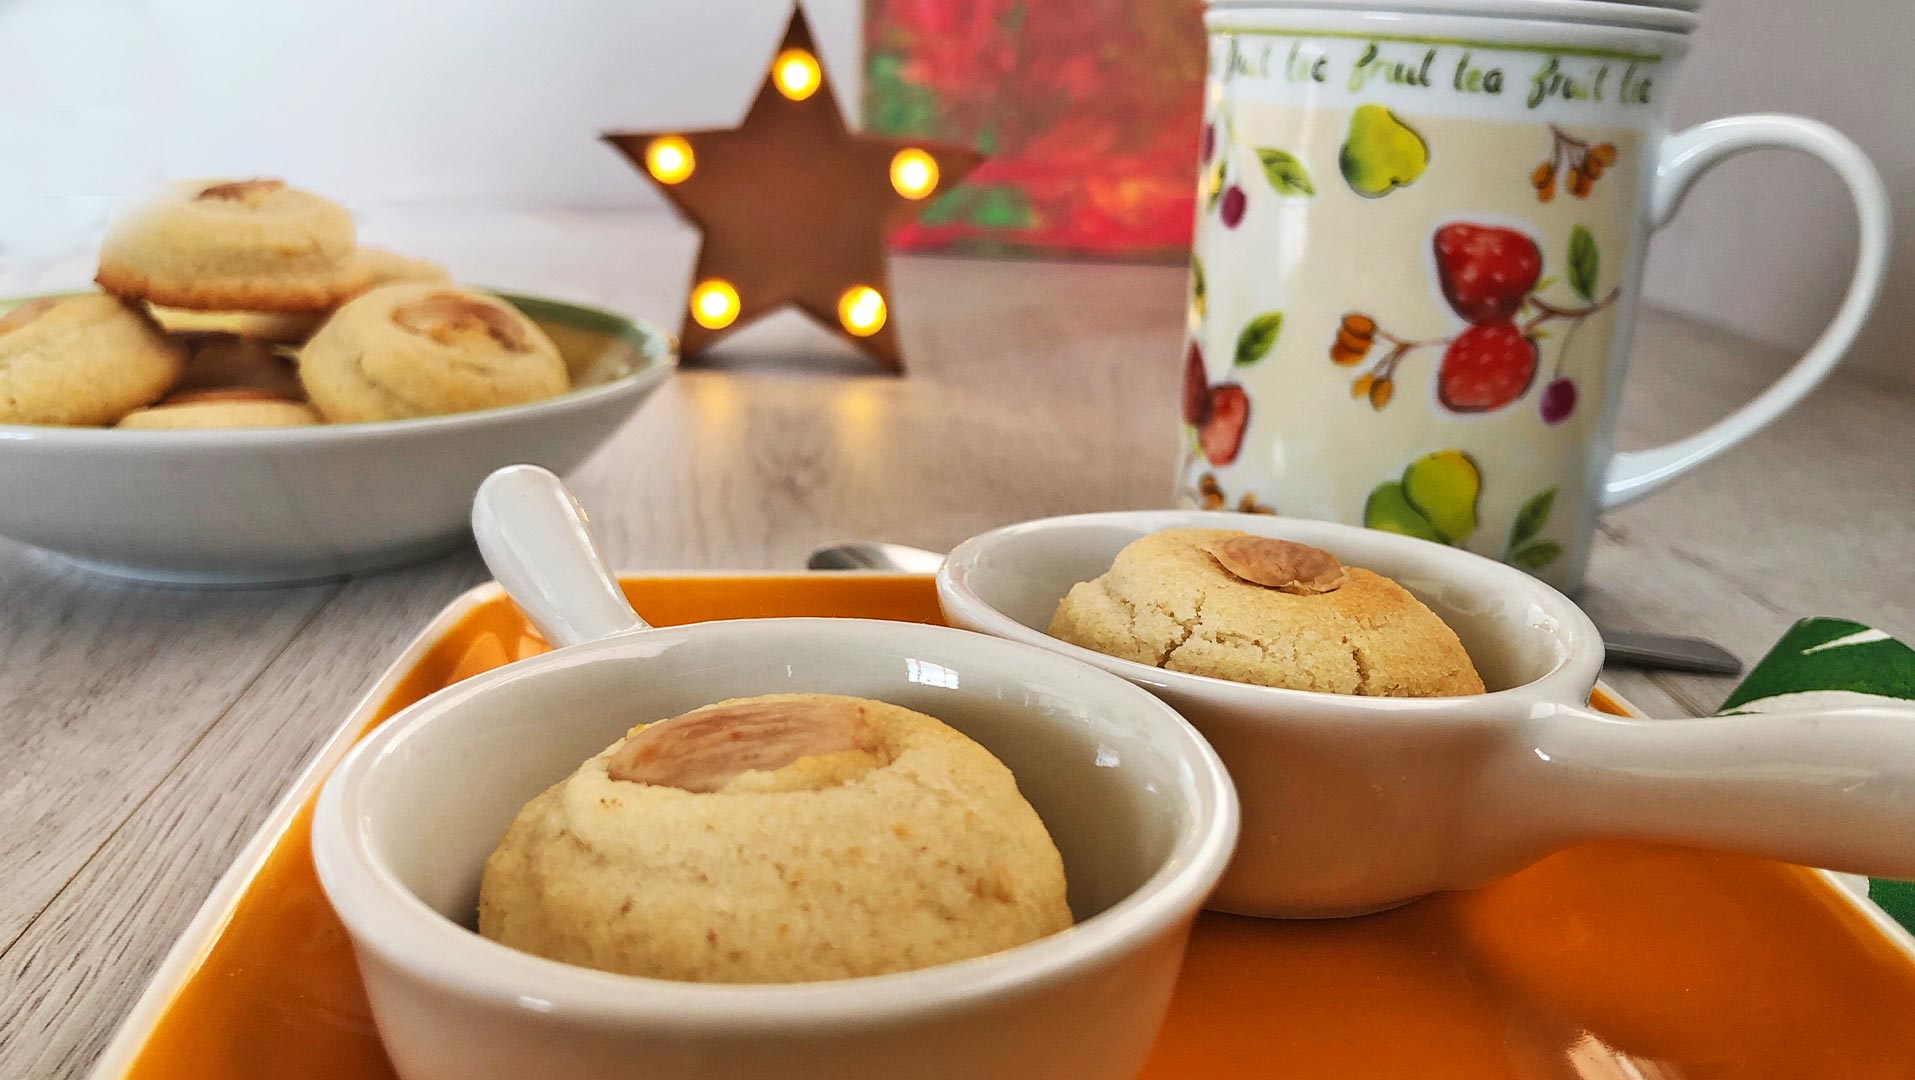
1089, 110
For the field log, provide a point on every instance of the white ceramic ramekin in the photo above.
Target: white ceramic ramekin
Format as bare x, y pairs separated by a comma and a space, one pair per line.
1354, 804
1139, 804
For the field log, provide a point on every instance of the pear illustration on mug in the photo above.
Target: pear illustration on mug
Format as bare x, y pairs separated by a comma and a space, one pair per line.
1434, 500
1381, 153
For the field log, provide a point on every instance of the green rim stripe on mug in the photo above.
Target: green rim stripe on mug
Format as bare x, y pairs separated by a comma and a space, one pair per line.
1417, 259
1466, 43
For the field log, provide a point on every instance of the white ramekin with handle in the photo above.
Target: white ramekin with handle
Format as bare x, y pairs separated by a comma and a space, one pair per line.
1354, 804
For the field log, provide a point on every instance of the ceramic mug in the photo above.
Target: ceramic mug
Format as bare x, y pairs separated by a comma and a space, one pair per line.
1420, 235
1353, 804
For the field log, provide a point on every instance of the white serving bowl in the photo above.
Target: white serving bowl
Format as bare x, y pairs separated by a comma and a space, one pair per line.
273, 506
1353, 804
1138, 803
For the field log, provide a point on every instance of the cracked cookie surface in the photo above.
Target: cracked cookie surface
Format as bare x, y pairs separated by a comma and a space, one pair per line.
1169, 603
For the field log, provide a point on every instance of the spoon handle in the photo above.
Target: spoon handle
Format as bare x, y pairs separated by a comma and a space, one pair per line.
1667, 652
537, 542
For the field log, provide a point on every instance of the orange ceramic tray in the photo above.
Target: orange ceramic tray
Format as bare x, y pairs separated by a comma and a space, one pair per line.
1602, 962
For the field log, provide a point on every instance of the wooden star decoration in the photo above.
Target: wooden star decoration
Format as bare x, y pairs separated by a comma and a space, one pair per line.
794, 207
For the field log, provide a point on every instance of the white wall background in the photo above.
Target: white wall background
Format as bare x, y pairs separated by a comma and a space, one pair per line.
384, 102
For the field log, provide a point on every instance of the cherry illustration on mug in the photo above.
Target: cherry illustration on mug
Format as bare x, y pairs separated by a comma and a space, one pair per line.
1220, 184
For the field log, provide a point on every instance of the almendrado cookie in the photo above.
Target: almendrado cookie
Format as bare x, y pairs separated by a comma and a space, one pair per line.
243, 245
411, 350
83, 360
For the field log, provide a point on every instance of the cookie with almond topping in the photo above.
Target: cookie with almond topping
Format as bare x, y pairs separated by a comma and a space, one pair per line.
418, 349
81, 361
234, 245
784, 838
1253, 609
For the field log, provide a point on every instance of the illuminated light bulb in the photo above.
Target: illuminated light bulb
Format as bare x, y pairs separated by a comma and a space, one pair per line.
861, 310
714, 303
796, 73
914, 173
669, 159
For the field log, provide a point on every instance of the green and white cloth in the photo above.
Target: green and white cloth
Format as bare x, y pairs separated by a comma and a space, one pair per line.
1833, 662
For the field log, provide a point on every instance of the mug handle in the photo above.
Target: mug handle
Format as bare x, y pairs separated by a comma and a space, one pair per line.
1832, 788
1682, 159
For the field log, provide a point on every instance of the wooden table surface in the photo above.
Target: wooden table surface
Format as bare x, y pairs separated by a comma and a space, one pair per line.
144, 733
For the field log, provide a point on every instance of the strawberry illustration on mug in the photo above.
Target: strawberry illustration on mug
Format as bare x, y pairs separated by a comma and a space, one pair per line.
1491, 277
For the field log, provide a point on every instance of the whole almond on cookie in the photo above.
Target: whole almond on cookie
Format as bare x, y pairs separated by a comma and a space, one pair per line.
242, 190
1279, 564
446, 317
703, 750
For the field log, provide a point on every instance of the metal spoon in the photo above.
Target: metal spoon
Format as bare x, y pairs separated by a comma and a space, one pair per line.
1625, 648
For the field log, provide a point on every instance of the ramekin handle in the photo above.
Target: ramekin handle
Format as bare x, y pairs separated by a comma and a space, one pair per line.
1831, 788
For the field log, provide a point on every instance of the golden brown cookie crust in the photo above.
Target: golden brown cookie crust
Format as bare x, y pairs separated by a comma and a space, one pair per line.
205, 414
281, 328
251, 245
921, 852
1169, 603
81, 361
389, 267
289, 295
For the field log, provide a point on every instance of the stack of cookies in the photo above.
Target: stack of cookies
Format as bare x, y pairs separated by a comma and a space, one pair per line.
251, 304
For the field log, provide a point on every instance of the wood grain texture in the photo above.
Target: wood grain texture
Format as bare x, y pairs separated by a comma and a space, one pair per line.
105, 686
145, 733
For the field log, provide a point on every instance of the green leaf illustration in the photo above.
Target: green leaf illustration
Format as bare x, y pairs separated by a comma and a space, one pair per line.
1259, 336
1542, 286
1284, 172
1532, 517
1583, 263
1537, 555
1197, 285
